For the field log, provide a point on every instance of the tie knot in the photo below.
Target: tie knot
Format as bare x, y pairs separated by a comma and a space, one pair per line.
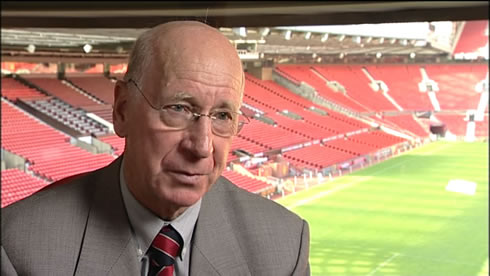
168, 241
164, 249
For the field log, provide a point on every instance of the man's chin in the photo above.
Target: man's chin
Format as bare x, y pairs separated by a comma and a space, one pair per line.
185, 197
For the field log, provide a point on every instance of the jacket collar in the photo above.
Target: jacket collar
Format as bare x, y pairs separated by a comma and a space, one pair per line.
108, 247
215, 248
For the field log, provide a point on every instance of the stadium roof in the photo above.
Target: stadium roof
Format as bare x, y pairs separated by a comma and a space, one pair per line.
47, 30
145, 14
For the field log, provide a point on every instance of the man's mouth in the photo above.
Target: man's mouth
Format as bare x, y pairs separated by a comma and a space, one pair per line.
187, 177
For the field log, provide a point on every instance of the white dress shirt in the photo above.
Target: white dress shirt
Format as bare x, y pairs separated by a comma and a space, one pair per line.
146, 225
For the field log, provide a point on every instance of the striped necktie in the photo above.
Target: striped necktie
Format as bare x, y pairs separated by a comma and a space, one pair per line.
162, 253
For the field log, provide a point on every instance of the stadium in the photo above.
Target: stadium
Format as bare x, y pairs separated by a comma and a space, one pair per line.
378, 139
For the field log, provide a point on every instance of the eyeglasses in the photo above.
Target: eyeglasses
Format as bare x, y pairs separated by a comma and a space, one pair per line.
224, 123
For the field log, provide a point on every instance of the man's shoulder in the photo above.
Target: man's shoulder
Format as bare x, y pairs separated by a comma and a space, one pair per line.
58, 196
253, 203
267, 232
69, 191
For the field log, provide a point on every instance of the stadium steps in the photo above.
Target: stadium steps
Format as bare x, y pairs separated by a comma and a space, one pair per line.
82, 91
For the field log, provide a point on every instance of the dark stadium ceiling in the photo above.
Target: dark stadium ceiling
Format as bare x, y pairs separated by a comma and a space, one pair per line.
145, 14
61, 29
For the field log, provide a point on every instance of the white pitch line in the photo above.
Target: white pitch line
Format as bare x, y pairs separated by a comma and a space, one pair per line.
383, 264
341, 187
326, 193
436, 149
347, 185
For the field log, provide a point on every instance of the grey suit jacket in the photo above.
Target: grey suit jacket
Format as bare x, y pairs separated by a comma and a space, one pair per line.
81, 228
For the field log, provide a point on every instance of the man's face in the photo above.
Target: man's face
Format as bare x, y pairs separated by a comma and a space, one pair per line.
177, 167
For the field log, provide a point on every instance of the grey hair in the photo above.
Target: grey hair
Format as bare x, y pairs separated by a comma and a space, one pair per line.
141, 56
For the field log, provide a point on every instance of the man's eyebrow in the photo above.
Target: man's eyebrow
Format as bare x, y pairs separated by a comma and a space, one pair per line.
227, 105
181, 96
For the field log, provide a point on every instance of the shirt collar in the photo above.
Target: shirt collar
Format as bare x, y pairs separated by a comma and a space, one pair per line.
146, 224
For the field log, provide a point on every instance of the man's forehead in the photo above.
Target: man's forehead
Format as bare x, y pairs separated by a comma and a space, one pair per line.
206, 73
199, 53
195, 43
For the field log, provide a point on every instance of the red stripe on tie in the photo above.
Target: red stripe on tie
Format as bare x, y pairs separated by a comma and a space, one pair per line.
166, 271
166, 245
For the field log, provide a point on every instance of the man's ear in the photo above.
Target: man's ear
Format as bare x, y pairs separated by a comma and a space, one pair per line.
120, 110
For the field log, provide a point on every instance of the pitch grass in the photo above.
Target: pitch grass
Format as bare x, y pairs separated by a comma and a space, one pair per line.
396, 218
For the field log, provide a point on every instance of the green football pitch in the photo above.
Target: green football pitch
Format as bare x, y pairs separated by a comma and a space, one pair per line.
398, 217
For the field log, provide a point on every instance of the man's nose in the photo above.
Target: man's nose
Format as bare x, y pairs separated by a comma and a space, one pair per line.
200, 139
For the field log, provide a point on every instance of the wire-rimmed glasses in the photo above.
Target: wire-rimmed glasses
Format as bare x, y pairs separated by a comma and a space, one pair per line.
224, 123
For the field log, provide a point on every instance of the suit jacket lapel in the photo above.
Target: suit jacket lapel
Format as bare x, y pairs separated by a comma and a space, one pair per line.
108, 247
215, 249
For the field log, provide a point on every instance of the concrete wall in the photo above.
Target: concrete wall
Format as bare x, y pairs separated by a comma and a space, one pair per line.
11, 160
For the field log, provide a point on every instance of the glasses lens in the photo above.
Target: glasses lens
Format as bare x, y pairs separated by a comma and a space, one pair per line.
223, 124
242, 120
175, 119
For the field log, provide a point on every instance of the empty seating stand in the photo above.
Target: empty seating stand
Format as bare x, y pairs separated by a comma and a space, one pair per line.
69, 116
408, 122
305, 74
13, 90
50, 156
103, 111
457, 84
115, 141
357, 86
98, 86
455, 123
272, 98
55, 87
269, 136
48, 152
318, 156
377, 139
403, 85
239, 143
17, 185
250, 184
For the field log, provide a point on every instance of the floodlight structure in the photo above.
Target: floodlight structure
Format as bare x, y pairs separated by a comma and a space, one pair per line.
324, 38
288, 34
308, 35
242, 31
265, 31
87, 48
31, 48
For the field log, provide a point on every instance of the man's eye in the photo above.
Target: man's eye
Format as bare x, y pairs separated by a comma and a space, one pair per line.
223, 115
177, 108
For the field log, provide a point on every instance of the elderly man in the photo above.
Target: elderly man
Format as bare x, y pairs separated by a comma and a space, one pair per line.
162, 207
